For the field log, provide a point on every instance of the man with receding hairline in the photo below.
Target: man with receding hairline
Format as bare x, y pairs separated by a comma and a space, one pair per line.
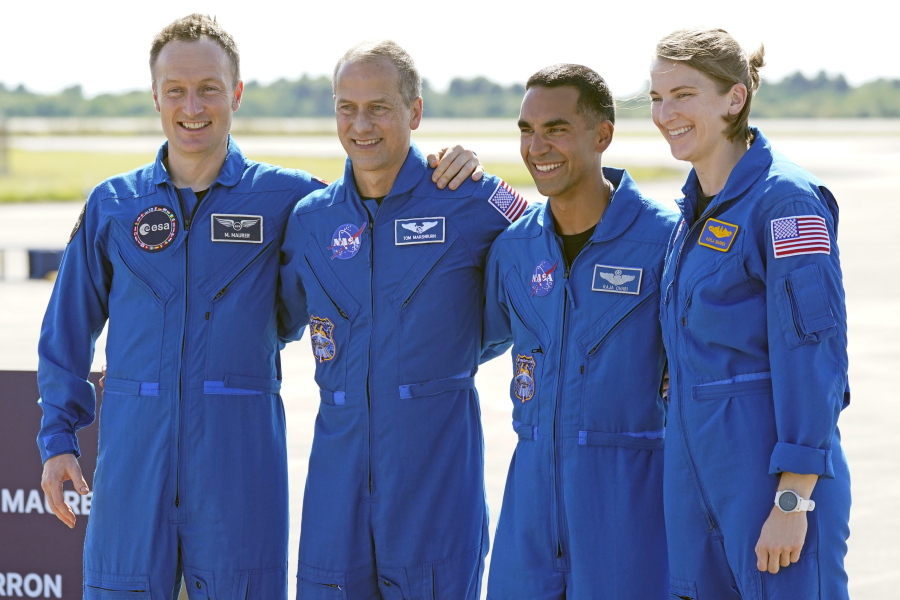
386, 270
181, 257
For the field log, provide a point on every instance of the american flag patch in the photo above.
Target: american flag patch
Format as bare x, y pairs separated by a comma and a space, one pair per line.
804, 234
508, 202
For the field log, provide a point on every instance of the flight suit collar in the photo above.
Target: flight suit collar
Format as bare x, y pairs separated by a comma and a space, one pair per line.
619, 214
753, 165
412, 171
229, 175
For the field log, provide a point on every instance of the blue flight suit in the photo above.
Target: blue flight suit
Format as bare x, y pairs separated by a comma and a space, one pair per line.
192, 467
756, 333
582, 512
394, 505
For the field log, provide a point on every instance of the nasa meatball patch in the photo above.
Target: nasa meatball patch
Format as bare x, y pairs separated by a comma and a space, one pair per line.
77, 224
155, 228
246, 229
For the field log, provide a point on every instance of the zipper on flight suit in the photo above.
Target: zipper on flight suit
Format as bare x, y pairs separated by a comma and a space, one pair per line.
557, 455
371, 230
678, 335
188, 219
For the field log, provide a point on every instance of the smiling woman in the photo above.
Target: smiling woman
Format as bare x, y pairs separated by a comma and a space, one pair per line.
755, 331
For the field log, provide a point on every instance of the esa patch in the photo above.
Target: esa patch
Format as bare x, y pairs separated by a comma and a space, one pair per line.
542, 278
321, 336
618, 280
345, 241
77, 224
717, 235
803, 234
424, 230
246, 229
155, 228
508, 202
524, 381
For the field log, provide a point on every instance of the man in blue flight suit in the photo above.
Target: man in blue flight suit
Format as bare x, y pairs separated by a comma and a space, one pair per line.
181, 256
387, 271
576, 283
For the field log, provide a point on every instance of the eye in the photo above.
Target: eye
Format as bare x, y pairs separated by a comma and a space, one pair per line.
683, 94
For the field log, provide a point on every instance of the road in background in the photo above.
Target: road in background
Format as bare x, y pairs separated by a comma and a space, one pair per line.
858, 164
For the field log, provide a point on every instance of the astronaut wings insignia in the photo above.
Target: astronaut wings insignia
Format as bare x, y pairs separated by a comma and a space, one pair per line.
720, 231
416, 228
237, 225
617, 278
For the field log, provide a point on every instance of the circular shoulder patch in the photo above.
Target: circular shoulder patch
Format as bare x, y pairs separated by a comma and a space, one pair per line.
155, 228
542, 278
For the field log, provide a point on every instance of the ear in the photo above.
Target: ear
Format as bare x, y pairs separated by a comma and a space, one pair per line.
417, 108
155, 98
238, 92
737, 98
604, 132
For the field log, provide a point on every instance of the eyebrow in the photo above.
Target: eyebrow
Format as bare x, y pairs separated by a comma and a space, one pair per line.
675, 89
551, 123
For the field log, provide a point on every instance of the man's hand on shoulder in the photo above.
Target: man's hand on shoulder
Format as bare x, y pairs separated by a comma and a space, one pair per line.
452, 166
57, 470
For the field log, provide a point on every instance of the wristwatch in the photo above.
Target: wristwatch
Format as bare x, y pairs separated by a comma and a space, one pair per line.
789, 501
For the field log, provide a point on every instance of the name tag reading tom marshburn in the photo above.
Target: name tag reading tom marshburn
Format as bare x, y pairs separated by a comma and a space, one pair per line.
247, 229
424, 230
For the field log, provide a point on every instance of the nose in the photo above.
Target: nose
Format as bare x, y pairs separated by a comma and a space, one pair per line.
192, 104
538, 145
361, 122
663, 111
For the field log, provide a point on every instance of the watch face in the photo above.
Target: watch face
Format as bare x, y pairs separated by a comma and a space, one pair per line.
787, 501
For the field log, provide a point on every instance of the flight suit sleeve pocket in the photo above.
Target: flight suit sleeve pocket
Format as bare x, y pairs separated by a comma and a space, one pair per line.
102, 586
803, 307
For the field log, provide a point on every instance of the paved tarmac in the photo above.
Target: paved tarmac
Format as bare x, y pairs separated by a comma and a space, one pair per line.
862, 171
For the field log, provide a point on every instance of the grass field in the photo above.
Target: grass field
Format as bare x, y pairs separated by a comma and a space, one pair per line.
54, 176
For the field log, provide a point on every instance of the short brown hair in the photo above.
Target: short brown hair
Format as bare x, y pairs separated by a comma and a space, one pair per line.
190, 29
410, 80
717, 55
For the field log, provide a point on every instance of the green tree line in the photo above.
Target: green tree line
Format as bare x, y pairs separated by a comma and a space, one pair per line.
795, 96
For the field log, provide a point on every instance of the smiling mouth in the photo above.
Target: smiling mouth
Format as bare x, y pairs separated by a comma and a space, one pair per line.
547, 168
677, 132
367, 142
194, 126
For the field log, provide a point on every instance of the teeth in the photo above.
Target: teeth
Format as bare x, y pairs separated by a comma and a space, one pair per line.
367, 142
545, 168
680, 131
187, 125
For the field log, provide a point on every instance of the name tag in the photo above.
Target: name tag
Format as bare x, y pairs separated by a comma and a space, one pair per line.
618, 280
247, 229
717, 235
424, 230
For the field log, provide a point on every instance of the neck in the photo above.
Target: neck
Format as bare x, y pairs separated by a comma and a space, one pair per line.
375, 184
195, 172
579, 211
713, 172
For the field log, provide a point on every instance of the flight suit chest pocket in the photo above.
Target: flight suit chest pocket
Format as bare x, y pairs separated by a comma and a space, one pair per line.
139, 267
523, 310
426, 271
618, 309
331, 295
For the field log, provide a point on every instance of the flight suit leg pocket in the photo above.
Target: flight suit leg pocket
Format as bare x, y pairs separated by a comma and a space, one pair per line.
319, 584
105, 586
261, 584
